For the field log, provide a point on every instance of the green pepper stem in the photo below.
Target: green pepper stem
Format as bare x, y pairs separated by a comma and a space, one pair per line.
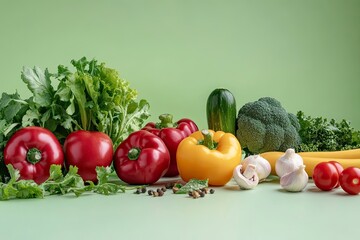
33, 155
134, 153
166, 121
208, 139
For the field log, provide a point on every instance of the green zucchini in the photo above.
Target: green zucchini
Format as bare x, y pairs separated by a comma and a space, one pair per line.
221, 111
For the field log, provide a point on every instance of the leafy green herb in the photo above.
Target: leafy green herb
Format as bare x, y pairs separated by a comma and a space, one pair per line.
12, 109
39, 84
104, 186
16, 188
321, 134
192, 185
93, 97
59, 184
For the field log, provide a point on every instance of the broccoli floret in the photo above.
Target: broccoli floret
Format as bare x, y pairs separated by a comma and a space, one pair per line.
264, 125
294, 121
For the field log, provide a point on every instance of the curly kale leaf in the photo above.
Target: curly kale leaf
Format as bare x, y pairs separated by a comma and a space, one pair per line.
321, 134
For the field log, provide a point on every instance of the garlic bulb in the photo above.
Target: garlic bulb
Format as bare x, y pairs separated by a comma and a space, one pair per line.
263, 167
288, 162
246, 179
295, 181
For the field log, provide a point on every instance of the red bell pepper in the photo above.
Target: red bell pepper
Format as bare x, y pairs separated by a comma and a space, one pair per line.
142, 158
32, 150
87, 150
172, 134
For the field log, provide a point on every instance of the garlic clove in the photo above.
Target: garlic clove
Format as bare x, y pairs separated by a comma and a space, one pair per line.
246, 178
263, 167
296, 180
288, 162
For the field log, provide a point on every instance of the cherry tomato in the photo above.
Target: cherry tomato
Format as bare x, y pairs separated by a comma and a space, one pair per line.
325, 176
350, 180
339, 168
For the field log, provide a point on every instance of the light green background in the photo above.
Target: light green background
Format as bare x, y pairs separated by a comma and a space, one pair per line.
304, 53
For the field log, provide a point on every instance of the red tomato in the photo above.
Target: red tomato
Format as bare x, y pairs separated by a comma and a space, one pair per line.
87, 150
339, 168
325, 176
350, 180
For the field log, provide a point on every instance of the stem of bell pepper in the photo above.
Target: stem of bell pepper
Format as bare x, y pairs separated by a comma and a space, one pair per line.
208, 139
134, 153
33, 155
166, 121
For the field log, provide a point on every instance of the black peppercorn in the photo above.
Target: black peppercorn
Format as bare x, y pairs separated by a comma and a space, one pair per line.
195, 194
161, 193
175, 189
169, 185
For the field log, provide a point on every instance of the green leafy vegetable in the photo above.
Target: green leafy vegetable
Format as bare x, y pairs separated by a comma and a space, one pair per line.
192, 185
39, 84
59, 184
104, 186
12, 110
16, 188
93, 97
321, 134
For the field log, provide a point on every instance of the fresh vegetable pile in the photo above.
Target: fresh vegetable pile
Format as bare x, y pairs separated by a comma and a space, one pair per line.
87, 128
89, 97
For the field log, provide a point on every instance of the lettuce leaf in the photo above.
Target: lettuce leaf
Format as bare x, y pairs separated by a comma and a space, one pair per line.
92, 97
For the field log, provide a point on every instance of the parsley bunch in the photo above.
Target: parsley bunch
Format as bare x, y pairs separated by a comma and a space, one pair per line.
59, 184
321, 134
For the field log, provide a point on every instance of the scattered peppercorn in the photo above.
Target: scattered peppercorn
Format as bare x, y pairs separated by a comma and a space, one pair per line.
202, 194
169, 185
195, 194
161, 191
175, 189
205, 190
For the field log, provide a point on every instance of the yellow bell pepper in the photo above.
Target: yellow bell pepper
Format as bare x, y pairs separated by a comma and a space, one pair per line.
208, 155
